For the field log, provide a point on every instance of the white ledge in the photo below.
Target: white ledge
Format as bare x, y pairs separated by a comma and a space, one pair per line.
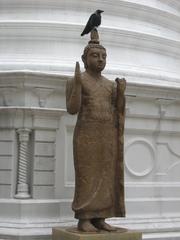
165, 82
115, 5
49, 111
65, 32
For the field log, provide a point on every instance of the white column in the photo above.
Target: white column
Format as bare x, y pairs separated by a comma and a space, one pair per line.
22, 174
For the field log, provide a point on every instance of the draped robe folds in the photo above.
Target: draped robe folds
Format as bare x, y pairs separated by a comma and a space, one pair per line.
99, 181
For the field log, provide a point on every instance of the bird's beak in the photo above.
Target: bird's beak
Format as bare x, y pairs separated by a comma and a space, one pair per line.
101, 11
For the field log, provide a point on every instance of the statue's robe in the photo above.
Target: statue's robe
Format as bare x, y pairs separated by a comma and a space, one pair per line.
99, 179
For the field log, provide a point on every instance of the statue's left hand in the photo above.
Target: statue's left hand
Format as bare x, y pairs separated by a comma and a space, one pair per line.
121, 84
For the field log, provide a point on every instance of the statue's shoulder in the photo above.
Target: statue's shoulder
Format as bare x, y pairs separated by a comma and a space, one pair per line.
108, 82
84, 79
108, 85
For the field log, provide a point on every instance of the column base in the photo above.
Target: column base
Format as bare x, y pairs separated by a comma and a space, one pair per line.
22, 196
22, 191
73, 234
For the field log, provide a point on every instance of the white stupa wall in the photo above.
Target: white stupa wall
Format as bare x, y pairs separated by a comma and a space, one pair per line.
39, 45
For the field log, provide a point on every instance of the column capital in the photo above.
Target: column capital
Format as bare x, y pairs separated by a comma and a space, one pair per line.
23, 134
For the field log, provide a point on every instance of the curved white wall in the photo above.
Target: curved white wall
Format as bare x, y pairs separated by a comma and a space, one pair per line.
141, 37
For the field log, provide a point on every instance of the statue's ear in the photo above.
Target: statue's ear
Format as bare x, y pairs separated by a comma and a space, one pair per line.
84, 61
83, 58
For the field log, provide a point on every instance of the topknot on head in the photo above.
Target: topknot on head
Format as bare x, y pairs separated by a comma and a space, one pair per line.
94, 37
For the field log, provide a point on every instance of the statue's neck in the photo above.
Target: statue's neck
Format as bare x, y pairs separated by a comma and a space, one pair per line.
96, 75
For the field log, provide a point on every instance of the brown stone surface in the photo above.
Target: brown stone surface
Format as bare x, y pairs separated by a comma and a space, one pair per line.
72, 234
98, 143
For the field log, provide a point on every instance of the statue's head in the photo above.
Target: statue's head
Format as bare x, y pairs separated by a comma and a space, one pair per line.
94, 55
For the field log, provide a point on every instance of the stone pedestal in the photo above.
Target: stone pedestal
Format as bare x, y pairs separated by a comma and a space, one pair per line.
73, 234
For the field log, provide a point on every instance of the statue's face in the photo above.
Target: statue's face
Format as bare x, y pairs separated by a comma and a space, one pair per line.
96, 59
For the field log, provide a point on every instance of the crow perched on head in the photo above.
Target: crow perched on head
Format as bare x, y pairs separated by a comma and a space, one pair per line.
94, 21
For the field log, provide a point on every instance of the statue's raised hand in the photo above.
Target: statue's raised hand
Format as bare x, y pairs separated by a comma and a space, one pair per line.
77, 74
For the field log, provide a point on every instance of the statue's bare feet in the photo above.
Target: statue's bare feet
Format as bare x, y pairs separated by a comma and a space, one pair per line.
100, 224
85, 225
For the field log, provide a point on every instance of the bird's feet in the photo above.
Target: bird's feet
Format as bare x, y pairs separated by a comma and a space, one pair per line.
100, 224
94, 29
85, 225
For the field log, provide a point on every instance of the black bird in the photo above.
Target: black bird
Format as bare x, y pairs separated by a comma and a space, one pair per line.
94, 21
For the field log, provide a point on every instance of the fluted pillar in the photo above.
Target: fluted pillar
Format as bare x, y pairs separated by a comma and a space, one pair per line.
22, 174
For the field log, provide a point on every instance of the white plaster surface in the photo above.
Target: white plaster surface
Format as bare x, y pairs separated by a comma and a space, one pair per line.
39, 45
